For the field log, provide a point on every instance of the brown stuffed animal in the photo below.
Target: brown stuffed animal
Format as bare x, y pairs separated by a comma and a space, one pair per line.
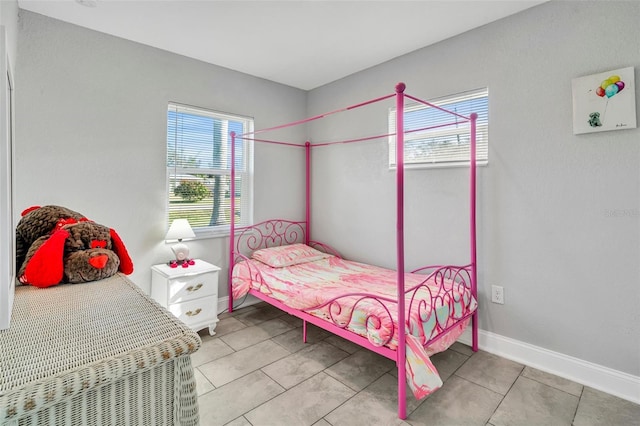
37, 222
55, 244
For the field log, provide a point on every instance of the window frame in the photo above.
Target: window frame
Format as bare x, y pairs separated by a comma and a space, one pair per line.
245, 172
482, 131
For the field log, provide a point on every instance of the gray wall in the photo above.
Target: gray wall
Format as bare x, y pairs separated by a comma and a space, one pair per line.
570, 269
91, 127
9, 19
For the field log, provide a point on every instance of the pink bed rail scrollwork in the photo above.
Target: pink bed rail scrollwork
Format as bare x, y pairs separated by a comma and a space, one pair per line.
269, 233
453, 288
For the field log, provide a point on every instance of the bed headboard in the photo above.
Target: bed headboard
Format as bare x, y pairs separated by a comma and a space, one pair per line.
270, 233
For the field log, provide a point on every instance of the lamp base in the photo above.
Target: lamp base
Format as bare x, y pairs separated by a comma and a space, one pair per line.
180, 250
182, 255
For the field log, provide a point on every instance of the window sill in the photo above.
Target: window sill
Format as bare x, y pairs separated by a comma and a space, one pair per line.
451, 165
203, 234
220, 232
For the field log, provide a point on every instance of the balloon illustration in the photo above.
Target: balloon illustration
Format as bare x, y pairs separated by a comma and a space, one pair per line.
611, 90
610, 113
610, 87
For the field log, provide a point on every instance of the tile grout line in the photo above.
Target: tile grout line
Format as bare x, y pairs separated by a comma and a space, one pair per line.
286, 390
502, 397
577, 406
505, 394
553, 387
293, 353
252, 371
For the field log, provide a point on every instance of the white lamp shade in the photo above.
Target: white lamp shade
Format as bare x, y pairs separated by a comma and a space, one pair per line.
179, 230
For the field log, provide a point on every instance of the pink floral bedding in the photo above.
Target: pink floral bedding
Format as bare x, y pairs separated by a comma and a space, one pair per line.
312, 286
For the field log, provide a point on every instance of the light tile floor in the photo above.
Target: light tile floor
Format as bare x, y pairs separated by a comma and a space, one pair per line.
257, 371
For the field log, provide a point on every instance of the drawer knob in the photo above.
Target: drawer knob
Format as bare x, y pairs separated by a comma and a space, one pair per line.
194, 313
196, 288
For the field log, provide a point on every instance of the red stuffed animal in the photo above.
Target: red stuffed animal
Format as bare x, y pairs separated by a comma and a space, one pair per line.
55, 245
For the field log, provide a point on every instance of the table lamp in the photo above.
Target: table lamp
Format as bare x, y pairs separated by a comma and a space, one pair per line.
179, 230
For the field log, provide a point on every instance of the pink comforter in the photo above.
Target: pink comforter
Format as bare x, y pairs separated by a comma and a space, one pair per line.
360, 297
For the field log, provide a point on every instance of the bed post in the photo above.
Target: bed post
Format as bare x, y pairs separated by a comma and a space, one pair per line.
232, 219
474, 264
401, 351
307, 206
307, 212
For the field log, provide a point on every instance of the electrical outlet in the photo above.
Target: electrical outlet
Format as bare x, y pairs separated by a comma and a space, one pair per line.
497, 294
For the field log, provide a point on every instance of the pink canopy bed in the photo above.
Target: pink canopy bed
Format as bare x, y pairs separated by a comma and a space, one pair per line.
404, 316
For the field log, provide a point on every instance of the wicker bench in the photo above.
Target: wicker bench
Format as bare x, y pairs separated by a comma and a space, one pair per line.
93, 354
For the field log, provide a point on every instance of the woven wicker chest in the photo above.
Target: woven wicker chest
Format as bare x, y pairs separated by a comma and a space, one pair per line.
101, 353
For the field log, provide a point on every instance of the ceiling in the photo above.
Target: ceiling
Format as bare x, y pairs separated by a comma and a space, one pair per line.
304, 43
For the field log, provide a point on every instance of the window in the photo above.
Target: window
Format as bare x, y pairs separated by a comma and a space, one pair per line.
442, 146
198, 169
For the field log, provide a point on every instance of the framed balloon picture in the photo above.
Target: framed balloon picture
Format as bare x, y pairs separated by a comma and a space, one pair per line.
604, 101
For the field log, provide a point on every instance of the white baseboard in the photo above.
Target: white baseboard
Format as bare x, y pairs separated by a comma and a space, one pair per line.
605, 379
223, 302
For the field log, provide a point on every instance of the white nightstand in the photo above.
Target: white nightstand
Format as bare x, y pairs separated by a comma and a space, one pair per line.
191, 294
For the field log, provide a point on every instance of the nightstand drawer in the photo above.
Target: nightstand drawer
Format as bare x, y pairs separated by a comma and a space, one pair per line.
187, 288
195, 311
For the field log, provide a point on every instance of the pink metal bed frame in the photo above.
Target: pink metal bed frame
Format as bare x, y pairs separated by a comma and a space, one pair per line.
282, 232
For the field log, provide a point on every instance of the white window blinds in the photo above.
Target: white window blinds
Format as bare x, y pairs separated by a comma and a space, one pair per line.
426, 144
198, 168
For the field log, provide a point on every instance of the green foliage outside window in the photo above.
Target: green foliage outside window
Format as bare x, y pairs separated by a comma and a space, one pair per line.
192, 191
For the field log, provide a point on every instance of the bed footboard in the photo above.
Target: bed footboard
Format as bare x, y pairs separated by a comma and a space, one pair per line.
450, 289
440, 302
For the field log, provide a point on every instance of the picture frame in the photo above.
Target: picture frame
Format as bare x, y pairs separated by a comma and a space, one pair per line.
605, 101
